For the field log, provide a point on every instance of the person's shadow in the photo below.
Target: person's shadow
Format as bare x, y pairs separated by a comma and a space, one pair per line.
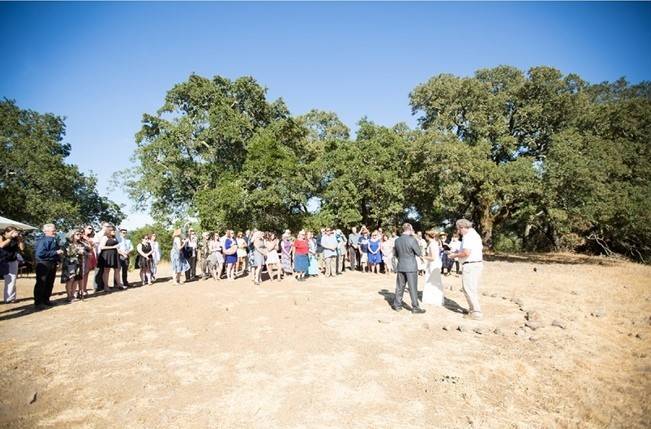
453, 306
448, 304
389, 297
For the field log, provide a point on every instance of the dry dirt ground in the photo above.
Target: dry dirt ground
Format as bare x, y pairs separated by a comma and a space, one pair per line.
331, 354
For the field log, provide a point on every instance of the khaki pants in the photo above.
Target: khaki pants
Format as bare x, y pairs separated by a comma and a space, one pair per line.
470, 282
330, 265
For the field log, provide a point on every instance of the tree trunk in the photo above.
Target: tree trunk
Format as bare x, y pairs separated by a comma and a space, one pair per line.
525, 235
487, 231
551, 233
485, 226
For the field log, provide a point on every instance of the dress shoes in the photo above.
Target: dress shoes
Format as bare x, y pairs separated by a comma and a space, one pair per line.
396, 309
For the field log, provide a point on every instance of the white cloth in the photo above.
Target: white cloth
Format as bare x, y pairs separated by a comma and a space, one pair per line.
10, 281
215, 256
387, 252
192, 244
472, 241
433, 289
272, 257
420, 261
241, 248
155, 247
126, 247
97, 238
329, 244
470, 281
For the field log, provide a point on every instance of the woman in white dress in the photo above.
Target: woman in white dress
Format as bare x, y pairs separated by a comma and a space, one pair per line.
433, 289
155, 256
387, 254
273, 259
241, 253
215, 256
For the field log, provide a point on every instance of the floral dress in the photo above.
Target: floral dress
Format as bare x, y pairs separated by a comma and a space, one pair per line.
286, 255
73, 262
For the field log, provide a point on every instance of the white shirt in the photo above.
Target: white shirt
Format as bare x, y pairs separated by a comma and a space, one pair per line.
125, 246
472, 241
455, 245
156, 249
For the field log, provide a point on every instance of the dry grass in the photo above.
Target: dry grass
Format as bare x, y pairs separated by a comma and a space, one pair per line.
324, 354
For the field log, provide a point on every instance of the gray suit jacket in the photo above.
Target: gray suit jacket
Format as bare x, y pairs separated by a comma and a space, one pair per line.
406, 249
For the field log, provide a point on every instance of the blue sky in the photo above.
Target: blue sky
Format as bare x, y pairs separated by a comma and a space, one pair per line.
102, 65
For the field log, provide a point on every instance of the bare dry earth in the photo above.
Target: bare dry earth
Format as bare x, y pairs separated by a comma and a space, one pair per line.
331, 354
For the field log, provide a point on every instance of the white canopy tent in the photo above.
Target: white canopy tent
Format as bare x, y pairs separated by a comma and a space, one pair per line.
4, 222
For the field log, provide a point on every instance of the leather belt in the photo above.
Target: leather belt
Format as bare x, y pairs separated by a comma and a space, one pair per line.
472, 262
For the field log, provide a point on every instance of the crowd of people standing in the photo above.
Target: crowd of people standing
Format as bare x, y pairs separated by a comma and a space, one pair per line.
328, 253
82, 254
86, 254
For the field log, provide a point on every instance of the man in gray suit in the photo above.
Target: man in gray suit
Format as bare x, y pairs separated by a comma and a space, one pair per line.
406, 249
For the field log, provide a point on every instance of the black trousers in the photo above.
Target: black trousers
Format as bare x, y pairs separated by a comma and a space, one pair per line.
192, 272
99, 278
352, 256
124, 267
411, 279
46, 272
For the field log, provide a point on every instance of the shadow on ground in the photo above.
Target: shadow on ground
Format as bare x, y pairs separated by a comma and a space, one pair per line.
58, 298
550, 258
448, 303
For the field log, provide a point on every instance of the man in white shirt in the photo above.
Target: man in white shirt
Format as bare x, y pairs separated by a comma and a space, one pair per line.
471, 258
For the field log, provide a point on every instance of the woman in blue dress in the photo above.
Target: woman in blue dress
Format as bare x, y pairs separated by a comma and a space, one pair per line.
313, 263
230, 250
374, 253
179, 263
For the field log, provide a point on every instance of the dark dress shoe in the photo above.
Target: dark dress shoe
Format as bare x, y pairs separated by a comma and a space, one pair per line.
417, 310
396, 308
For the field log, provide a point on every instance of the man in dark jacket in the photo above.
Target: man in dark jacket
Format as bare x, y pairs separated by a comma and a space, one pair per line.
47, 256
406, 250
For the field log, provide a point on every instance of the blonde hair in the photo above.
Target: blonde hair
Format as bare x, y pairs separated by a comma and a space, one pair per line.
177, 232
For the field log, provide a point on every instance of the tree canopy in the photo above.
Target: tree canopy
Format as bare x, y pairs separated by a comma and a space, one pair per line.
538, 160
36, 184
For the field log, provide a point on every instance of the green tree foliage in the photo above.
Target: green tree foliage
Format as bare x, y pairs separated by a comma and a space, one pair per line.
364, 181
544, 157
36, 184
213, 149
538, 160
